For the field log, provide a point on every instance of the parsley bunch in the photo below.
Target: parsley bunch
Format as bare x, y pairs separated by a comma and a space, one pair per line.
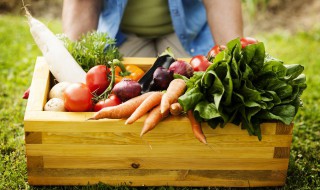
92, 49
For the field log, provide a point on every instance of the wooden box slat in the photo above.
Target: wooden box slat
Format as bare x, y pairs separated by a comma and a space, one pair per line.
65, 148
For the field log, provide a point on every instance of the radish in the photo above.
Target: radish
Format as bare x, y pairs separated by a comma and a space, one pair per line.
61, 63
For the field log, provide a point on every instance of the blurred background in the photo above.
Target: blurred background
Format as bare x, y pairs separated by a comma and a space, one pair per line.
259, 15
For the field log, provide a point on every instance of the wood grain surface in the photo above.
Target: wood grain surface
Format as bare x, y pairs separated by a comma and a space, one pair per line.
65, 148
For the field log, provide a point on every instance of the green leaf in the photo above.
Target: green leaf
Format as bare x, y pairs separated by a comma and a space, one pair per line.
274, 66
228, 87
249, 93
216, 89
240, 98
273, 95
234, 46
284, 113
206, 110
300, 81
213, 123
190, 99
293, 71
246, 71
194, 81
254, 55
284, 91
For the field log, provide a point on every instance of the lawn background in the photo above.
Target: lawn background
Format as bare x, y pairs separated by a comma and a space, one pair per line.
18, 54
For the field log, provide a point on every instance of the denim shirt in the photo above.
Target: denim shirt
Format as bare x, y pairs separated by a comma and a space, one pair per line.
188, 19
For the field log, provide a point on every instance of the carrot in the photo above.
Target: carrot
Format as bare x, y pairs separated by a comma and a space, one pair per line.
196, 128
61, 63
150, 102
123, 110
175, 89
154, 117
176, 109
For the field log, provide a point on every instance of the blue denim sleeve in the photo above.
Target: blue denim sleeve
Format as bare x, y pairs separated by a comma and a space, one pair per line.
190, 23
110, 19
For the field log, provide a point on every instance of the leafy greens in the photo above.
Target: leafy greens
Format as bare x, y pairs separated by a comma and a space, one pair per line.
245, 86
92, 49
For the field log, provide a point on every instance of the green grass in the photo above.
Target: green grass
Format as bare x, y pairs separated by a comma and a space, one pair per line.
18, 53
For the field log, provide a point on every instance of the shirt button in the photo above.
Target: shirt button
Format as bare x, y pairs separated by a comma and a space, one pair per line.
182, 36
192, 50
175, 12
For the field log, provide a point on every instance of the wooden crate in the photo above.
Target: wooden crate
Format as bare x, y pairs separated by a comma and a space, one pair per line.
64, 148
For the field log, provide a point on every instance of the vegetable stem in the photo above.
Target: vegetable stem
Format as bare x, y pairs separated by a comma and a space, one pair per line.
106, 93
124, 72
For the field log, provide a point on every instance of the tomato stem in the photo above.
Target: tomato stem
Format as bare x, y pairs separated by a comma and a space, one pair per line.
107, 92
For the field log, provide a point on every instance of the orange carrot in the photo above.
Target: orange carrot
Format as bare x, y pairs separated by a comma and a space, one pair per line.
176, 109
196, 127
154, 117
150, 102
123, 110
175, 89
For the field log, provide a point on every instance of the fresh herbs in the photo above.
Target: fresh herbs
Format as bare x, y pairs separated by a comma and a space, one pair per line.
92, 49
245, 86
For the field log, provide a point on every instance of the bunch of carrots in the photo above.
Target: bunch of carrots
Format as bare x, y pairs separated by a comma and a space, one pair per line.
158, 104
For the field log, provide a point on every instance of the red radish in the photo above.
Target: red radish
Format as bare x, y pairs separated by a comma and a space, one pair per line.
26, 94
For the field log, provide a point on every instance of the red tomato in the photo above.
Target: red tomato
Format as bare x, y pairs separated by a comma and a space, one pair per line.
247, 41
97, 79
199, 63
215, 50
78, 98
113, 100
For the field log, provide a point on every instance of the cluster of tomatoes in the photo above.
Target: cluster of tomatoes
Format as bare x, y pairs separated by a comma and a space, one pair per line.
80, 97
201, 62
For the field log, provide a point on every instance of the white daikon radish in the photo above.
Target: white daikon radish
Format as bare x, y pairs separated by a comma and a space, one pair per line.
61, 63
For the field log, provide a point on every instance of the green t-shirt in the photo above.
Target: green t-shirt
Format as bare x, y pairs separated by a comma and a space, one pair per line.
147, 18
